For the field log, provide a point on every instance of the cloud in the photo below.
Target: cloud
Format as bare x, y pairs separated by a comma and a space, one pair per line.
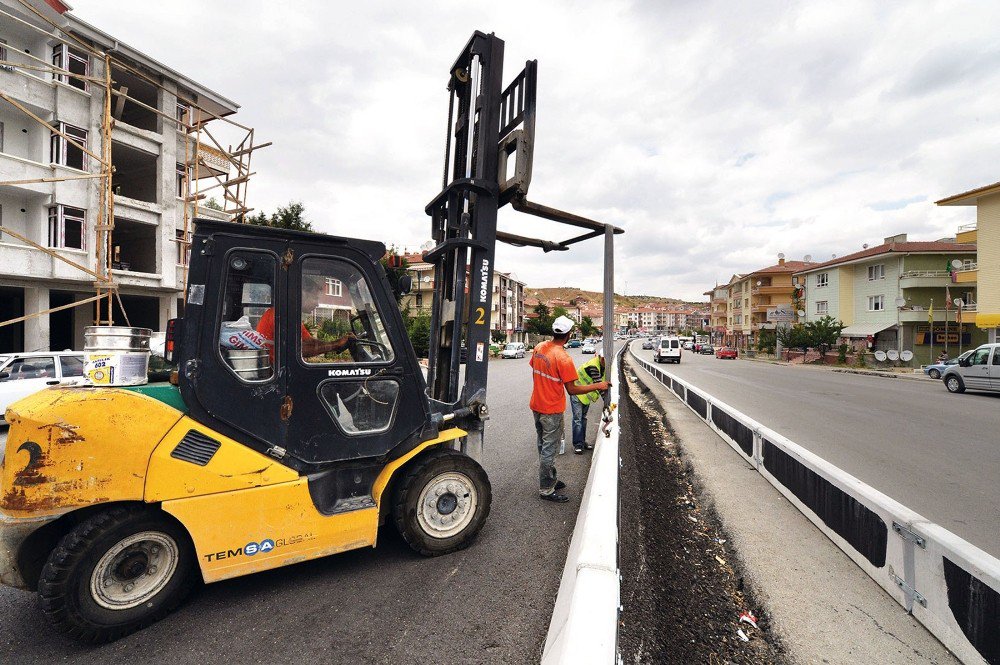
716, 134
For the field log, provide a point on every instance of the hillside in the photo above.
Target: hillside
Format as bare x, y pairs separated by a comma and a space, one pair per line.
595, 297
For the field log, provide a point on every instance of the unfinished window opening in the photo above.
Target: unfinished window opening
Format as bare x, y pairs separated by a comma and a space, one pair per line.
75, 61
183, 247
135, 173
181, 178
131, 109
66, 147
133, 246
67, 227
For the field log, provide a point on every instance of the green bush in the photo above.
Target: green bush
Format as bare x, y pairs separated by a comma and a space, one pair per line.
842, 354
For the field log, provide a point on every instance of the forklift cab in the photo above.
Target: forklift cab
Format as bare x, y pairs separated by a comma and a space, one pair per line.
293, 344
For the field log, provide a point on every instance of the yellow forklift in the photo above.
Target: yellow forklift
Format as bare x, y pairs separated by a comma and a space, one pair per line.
275, 441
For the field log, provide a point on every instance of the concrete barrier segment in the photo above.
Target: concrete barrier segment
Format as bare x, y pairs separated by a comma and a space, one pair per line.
948, 584
584, 624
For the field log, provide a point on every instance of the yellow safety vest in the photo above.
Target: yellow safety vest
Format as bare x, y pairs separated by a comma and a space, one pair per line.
585, 380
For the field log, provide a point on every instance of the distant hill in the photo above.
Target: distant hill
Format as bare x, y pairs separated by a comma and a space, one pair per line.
596, 298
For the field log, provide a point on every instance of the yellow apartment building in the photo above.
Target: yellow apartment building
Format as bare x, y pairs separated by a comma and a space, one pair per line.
752, 294
985, 271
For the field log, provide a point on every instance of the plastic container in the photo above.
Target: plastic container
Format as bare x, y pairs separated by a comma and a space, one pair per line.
116, 355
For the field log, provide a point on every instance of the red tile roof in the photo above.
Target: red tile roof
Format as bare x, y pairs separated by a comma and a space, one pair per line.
787, 266
898, 248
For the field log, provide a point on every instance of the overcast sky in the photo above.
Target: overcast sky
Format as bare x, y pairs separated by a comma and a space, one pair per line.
717, 134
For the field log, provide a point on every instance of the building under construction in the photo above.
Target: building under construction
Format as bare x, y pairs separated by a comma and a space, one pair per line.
106, 156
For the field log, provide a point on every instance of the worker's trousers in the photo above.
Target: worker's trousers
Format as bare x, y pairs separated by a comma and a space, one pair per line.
549, 427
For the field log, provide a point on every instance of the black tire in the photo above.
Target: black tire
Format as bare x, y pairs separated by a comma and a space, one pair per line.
954, 384
426, 472
934, 374
66, 587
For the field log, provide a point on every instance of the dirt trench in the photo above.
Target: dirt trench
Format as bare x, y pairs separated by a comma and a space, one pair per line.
682, 586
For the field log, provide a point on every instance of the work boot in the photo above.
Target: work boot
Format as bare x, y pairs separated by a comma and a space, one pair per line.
560, 485
588, 446
578, 450
555, 498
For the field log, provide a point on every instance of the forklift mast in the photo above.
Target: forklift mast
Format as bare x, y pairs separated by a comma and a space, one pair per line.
487, 127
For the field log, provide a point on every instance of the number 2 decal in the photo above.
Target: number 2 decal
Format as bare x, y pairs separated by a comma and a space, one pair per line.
480, 319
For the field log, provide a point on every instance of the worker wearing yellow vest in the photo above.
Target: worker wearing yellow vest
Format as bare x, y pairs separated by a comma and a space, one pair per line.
589, 372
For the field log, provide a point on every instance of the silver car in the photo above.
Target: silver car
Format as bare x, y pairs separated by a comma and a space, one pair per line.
980, 370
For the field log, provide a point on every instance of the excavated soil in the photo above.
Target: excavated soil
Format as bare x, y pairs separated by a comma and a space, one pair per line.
682, 586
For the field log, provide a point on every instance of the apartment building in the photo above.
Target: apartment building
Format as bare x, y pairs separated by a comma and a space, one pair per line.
718, 298
51, 138
984, 271
508, 306
421, 296
884, 295
739, 308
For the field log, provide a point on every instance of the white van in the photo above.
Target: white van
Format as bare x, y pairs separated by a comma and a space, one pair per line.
980, 370
22, 374
669, 350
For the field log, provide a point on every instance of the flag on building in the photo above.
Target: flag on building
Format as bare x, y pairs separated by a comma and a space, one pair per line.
947, 298
930, 313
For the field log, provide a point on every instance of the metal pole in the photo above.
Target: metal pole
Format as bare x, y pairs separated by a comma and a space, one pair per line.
946, 329
931, 322
609, 295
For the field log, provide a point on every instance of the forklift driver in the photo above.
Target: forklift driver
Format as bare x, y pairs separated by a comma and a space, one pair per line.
311, 347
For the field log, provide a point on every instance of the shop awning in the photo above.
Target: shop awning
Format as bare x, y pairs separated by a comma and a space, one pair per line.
865, 329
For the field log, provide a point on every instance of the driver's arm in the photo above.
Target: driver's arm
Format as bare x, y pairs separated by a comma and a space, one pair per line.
314, 347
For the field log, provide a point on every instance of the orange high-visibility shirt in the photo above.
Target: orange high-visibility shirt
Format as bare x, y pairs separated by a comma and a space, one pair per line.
551, 369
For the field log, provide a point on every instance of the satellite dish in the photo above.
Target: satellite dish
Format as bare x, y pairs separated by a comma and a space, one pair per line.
906, 356
802, 312
864, 246
759, 282
956, 264
833, 256
781, 255
900, 301
807, 258
880, 356
959, 302
426, 279
893, 355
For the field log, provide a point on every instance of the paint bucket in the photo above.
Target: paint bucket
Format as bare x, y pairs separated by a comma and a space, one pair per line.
116, 355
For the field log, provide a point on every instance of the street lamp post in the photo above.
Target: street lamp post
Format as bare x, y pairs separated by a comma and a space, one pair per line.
900, 303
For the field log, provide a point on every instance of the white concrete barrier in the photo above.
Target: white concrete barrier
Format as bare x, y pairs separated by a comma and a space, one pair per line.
948, 584
584, 624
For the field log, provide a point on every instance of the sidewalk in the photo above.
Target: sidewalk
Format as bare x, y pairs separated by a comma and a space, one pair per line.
912, 374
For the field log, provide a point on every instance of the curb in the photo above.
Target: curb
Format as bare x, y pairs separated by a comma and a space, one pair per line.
946, 583
584, 624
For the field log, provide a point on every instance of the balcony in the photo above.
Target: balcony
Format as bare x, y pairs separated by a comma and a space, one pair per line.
766, 290
914, 279
920, 315
969, 274
967, 233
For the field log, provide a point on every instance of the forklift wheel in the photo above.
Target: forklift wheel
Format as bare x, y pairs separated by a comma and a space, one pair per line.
442, 502
115, 573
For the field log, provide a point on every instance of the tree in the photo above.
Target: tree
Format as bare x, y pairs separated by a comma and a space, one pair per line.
213, 204
287, 217
587, 327
541, 323
824, 333
498, 336
765, 341
418, 329
794, 337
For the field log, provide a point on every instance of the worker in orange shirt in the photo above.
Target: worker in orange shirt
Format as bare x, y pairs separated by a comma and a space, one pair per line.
554, 375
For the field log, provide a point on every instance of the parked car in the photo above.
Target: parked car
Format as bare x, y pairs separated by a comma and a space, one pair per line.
513, 350
937, 369
980, 370
647, 344
706, 349
726, 352
589, 347
22, 374
669, 350
574, 344
689, 346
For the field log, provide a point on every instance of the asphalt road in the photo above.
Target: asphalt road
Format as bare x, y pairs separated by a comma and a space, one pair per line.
489, 603
934, 452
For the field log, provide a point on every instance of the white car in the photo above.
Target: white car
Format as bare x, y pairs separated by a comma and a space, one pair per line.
589, 348
688, 346
513, 350
22, 374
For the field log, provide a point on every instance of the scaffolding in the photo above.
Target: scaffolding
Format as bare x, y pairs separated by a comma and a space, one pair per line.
225, 169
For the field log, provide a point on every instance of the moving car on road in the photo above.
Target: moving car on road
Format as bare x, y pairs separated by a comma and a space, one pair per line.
937, 369
669, 350
647, 344
706, 349
513, 350
980, 370
22, 374
688, 346
726, 352
589, 347
574, 344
